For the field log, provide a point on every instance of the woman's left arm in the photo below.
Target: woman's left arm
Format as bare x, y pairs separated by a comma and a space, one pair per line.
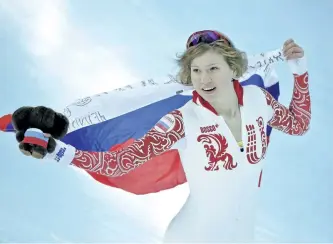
294, 120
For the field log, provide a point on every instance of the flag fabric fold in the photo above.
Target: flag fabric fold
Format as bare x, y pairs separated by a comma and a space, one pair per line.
114, 119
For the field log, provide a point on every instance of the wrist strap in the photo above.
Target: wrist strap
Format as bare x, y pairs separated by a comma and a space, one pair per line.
63, 153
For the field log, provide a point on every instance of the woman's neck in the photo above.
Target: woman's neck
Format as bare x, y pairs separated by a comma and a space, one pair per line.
227, 106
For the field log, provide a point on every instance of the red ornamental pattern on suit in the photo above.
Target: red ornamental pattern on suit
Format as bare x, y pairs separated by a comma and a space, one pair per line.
114, 164
296, 119
216, 147
251, 148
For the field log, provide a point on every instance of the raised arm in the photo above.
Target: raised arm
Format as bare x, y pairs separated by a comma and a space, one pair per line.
294, 120
167, 131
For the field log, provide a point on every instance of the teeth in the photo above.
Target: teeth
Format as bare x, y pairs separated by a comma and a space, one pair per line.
208, 89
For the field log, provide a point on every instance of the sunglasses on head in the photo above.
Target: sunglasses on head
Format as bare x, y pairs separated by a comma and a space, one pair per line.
206, 36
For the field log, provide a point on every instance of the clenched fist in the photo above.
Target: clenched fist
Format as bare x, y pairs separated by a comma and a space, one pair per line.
53, 124
291, 50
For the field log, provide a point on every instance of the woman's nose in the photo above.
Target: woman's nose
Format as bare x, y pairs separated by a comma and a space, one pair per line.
205, 78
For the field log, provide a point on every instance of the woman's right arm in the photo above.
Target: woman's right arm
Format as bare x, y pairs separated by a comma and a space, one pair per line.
166, 132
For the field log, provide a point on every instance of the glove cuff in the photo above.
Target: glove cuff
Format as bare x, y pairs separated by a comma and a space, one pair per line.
298, 66
63, 153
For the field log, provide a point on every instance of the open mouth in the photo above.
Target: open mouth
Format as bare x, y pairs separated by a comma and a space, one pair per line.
210, 89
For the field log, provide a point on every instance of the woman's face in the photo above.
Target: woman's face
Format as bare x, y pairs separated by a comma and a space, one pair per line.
211, 76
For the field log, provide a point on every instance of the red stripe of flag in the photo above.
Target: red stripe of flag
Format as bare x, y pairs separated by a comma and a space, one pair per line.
5, 121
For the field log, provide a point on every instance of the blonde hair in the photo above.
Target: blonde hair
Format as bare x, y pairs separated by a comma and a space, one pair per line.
236, 59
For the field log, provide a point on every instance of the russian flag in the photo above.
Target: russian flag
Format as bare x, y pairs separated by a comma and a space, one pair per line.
114, 119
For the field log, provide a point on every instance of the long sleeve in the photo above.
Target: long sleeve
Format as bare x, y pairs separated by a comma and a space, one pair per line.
166, 132
294, 120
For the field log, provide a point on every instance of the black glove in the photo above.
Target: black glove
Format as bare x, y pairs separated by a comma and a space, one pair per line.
42, 118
